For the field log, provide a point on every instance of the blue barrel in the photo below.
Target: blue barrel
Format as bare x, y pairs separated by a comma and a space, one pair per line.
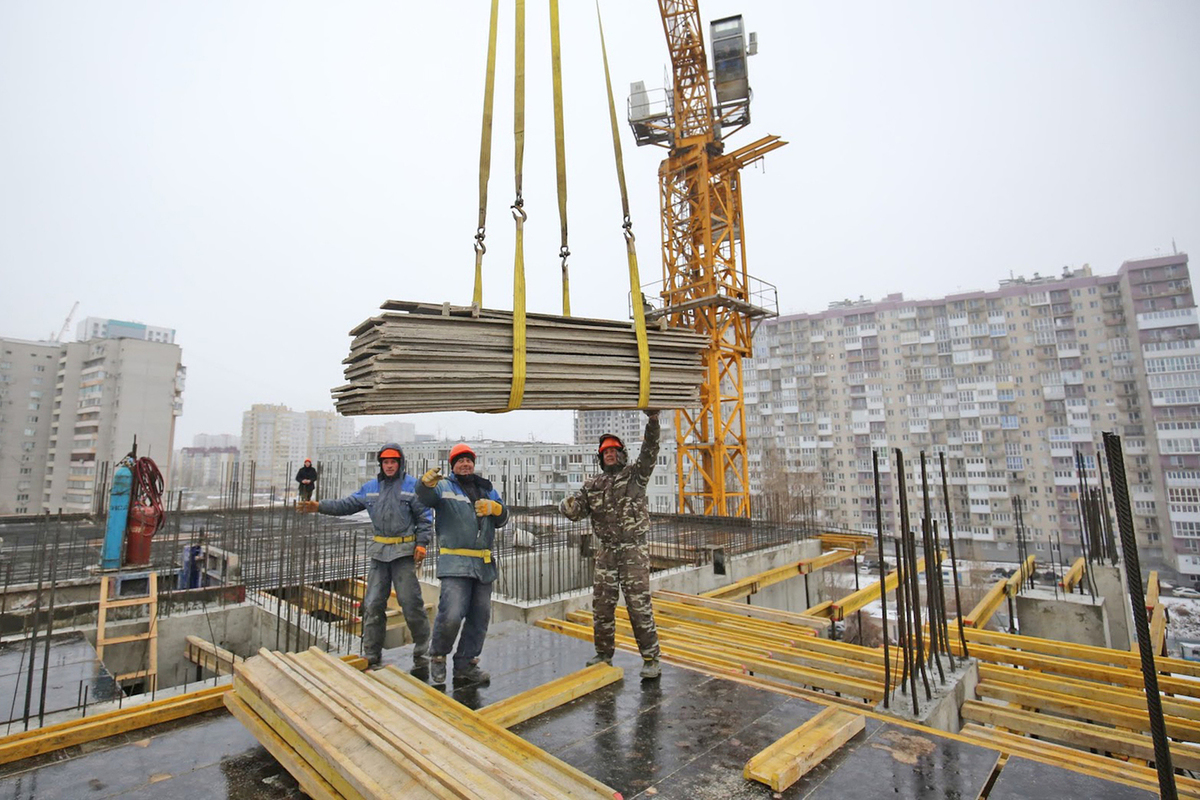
118, 515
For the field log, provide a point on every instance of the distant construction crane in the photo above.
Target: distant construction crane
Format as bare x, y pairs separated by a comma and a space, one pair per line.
705, 284
66, 324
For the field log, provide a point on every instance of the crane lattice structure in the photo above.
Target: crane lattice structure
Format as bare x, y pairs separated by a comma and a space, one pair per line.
705, 284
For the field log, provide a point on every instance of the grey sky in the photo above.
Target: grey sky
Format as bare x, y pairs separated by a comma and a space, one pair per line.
260, 176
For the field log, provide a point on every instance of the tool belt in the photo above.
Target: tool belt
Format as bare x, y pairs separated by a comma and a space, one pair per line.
395, 539
486, 555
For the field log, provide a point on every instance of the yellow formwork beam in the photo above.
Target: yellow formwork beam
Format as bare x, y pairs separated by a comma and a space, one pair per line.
1081, 652
985, 608
1017, 579
742, 610
868, 594
793, 755
1126, 696
215, 659
1074, 575
1152, 590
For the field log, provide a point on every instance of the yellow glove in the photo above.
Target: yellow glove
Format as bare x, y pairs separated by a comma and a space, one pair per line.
431, 477
307, 506
485, 508
418, 555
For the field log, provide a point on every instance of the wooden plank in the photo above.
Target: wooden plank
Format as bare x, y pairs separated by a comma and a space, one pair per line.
1127, 697
810, 565
526, 705
1158, 630
1018, 578
740, 609
309, 779
572, 782
27, 744
1077, 669
1088, 710
1094, 764
215, 659
1152, 590
792, 756
1077, 734
1081, 652
1074, 575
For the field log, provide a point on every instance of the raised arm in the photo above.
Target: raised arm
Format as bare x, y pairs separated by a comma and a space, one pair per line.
648, 456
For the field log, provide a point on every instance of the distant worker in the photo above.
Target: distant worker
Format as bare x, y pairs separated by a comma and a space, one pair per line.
402, 530
307, 478
616, 501
468, 512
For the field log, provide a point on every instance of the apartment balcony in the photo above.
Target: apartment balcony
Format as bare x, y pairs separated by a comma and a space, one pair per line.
1055, 392
1167, 318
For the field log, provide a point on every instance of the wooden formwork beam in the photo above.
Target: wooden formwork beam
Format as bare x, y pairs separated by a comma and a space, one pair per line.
1125, 696
1077, 734
983, 611
1080, 652
852, 602
1074, 575
792, 756
742, 610
208, 655
1017, 579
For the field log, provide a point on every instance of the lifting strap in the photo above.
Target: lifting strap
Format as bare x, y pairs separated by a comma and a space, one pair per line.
635, 294
485, 155
517, 392
560, 153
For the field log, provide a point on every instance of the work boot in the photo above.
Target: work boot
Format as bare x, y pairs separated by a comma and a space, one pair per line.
651, 669
472, 675
598, 659
437, 670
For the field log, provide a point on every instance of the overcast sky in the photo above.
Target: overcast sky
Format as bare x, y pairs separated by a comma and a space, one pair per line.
260, 176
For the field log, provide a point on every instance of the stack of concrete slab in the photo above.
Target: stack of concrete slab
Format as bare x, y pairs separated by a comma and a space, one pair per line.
420, 357
342, 733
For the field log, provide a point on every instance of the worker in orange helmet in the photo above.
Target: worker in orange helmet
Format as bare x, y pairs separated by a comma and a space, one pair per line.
403, 526
307, 479
468, 511
616, 502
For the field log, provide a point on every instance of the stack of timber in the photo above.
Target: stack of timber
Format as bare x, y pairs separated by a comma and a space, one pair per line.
419, 357
345, 734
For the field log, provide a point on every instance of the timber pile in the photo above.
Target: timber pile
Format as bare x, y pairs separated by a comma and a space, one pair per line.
419, 357
345, 734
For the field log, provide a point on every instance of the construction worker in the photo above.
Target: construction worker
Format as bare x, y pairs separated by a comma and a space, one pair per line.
402, 530
307, 478
468, 513
616, 502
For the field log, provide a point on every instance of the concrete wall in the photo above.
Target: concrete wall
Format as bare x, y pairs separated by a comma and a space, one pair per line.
1110, 585
1067, 618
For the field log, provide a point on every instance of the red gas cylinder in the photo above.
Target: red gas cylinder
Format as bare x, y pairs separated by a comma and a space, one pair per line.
143, 522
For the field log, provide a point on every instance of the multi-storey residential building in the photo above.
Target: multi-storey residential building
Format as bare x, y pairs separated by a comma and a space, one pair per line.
216, 440
106, 393
1009, 385
27, 372
399, 432
525, 473
99, 328
277, 440
205, 470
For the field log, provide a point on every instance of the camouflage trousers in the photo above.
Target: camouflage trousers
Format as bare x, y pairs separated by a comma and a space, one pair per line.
624, 568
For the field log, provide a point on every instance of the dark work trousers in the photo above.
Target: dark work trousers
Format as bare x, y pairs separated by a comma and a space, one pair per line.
625, 568
382, 576
306, 490
467, 604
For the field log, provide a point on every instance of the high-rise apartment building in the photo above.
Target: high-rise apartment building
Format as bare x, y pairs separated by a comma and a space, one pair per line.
204, 472
1009, 384
106, 393
277, 440
99, 328
27, 372
525, 473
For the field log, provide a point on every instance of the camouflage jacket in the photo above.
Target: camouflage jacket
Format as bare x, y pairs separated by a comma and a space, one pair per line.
616, 501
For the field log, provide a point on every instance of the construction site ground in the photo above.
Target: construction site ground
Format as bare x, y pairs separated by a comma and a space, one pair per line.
688, 735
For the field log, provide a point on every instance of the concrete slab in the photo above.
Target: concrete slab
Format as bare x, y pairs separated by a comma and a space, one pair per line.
1023, 779
72, 667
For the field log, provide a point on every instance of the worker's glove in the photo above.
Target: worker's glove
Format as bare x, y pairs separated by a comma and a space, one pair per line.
307, 506
484, 508
567, 505
418, 555
431, 477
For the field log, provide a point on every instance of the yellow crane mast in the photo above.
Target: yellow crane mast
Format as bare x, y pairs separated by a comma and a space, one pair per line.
705, 284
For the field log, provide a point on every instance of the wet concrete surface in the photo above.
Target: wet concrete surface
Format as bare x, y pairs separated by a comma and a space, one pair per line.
1023, 779
72, 667
686, 735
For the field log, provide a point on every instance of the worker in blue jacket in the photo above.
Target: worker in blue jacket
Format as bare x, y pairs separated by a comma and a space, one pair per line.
402, 531
468, 513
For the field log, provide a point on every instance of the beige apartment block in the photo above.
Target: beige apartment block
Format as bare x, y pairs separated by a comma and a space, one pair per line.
27, 372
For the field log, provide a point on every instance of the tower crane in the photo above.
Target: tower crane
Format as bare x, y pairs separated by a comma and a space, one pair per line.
705, 284
66, 323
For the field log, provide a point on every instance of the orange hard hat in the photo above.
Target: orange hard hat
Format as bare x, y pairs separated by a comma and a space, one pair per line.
608, 440
460, 450
390, 451
308, 461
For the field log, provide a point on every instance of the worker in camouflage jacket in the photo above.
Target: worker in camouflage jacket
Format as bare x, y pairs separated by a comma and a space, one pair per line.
403, 527
616, 502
